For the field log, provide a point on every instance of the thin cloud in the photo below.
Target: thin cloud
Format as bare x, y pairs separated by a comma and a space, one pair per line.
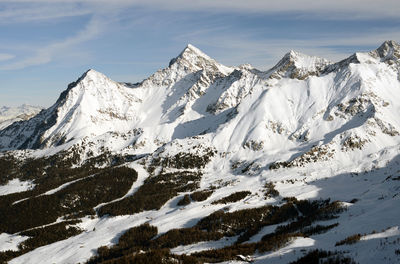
344, 9
102, 15
17, 13
323, 9
47, 53
5, 56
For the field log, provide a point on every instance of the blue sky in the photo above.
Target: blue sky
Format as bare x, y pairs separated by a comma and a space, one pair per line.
46, 44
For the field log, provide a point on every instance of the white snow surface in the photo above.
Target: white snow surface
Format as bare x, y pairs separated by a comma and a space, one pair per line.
336, 125
10, 242
15, 186
394, 231
9, 115
206, 245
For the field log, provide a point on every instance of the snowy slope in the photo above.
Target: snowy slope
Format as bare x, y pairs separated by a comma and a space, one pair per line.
315, 128
9, 115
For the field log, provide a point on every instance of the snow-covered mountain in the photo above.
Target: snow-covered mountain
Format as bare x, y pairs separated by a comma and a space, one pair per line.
9, 115
307, 128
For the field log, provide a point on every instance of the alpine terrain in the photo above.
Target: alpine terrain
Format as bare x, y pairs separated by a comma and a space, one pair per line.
205, 163
9, 115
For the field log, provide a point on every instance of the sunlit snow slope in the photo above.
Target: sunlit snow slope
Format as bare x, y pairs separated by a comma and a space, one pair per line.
9, 115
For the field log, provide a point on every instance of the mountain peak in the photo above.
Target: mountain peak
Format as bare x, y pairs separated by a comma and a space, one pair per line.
389, 43
89, 78
92, 71
194, 59
190, 49
297, 65
192, 55
293, 55
389, 49
92, 75
303, 60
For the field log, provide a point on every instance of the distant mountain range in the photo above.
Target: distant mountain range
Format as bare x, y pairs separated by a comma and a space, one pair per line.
9, 115
277, 143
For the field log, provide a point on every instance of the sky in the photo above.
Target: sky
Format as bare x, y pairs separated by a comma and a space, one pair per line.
46, 44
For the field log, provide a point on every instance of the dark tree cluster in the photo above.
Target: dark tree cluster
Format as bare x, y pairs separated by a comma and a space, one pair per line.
349, 240
50, 171
270, 190
232, 223
8, 255
80, 196
200, 196
184, 236
8, 166
182, 160
234, 197
318, 229
154, 193
185, 200
135, 239
318, 256
195, 196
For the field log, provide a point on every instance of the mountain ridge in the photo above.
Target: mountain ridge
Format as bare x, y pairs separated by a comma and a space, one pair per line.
191, 69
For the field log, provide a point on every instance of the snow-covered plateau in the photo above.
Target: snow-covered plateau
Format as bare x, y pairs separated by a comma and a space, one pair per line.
203, 163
